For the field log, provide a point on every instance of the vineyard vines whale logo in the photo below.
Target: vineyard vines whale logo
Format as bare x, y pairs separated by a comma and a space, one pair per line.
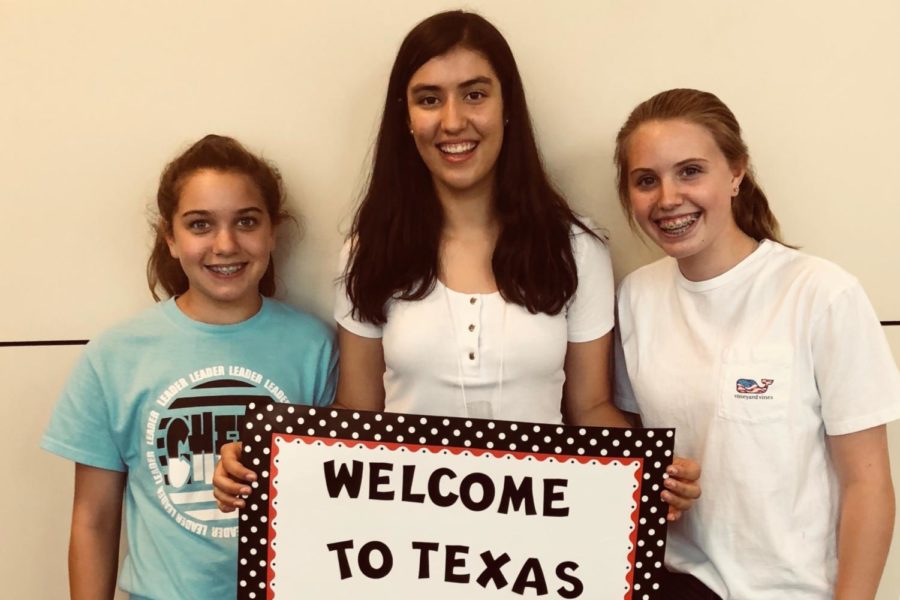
189, 422
749, 386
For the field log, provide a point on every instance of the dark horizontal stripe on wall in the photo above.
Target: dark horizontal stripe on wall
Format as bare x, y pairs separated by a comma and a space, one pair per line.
83, 342
46, 343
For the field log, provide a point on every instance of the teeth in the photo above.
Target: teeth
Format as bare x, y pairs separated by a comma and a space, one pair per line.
676, 224
460, 148
225, 269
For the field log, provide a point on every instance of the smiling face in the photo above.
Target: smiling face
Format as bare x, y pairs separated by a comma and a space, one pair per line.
456, 119
680, 187
223, 237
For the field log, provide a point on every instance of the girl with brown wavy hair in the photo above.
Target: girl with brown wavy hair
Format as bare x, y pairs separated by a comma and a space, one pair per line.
152, 399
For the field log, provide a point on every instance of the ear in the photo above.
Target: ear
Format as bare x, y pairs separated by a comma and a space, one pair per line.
738, 170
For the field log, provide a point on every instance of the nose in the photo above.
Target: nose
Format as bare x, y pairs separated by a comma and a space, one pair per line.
669, 195
453, 116
225, 241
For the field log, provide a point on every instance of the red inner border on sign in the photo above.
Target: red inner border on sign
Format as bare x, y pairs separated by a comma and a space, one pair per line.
603, 460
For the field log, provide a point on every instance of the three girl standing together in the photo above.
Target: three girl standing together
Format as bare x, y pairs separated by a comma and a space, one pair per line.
470, 288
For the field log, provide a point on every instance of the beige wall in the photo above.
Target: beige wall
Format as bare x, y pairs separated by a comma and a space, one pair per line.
96, 96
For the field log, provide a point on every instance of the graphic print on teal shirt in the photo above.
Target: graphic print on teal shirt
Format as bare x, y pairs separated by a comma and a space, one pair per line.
192, 419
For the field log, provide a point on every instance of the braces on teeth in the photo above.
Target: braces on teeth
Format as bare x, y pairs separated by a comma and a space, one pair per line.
679, 223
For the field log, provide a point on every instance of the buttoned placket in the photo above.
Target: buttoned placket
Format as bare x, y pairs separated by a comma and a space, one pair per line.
469, 325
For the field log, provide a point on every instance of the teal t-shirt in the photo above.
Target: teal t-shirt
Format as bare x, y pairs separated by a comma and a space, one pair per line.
157, 396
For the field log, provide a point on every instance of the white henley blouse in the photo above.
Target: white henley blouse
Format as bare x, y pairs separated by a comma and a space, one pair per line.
475, 355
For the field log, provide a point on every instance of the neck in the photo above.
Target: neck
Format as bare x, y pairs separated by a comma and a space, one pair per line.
217, 313
718, 260
470, 210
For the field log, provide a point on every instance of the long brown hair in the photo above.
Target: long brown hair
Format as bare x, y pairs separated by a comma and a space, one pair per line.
219, 153
750, 207
397, 228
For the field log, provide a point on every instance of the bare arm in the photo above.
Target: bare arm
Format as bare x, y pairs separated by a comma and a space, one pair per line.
94, 540
587, 396
867, 510
361, 380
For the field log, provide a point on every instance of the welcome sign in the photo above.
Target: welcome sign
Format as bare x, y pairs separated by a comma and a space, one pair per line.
354, 504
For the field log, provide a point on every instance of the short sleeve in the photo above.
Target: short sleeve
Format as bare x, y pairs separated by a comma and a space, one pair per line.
855, 372
79, 428
624, 394
343, 308
328, 372
590, 312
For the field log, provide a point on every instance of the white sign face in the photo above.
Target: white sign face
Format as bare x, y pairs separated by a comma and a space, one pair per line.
347, 508
569, 531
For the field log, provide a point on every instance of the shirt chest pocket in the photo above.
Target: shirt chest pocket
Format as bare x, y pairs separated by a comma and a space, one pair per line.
755, 384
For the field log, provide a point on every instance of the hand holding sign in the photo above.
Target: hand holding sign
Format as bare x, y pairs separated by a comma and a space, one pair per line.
231, 479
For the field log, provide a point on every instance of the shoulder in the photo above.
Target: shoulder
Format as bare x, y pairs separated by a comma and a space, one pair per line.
588, 240
653, 276
817, 277
821, 269
122, 347
293, 321
591, 253
578, 229
344, 255
139, 329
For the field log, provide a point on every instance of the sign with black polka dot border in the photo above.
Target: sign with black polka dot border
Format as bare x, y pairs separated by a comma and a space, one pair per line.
293, 447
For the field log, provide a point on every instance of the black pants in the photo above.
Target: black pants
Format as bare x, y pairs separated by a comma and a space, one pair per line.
678, 586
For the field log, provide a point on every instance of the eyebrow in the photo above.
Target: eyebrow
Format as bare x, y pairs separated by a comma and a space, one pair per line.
680, 163
690, 160
204, 213
430, 87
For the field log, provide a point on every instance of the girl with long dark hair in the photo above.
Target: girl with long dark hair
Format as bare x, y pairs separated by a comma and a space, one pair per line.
459, 292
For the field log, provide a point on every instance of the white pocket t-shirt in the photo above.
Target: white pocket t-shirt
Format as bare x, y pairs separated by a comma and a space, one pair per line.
754, 368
